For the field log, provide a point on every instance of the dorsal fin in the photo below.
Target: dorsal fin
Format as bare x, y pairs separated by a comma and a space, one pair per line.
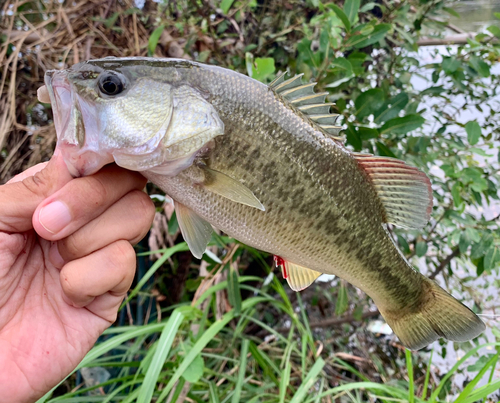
405, 191
310, 103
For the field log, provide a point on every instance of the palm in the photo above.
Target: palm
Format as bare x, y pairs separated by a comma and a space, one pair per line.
40, 332
66, 263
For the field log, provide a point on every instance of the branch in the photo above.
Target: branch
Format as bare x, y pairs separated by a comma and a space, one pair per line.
455, 252
459, 39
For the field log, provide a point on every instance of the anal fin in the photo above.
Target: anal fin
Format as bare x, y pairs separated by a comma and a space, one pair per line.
195, 230
298, 277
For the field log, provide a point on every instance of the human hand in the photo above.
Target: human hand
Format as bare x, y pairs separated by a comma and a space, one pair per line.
66, 263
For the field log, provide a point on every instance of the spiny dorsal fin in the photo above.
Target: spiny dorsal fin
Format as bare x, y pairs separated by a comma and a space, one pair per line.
298, 277
310, 103
405, 191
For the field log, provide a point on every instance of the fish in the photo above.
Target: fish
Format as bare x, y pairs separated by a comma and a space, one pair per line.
266, 165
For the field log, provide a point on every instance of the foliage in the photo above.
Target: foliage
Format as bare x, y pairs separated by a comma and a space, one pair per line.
245, 335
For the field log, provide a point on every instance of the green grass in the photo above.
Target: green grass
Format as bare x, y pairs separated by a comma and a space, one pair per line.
192, 355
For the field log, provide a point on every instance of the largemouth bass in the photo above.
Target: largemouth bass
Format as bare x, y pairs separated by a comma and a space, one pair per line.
264, 165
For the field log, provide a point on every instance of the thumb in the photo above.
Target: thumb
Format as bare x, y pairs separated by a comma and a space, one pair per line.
20, 197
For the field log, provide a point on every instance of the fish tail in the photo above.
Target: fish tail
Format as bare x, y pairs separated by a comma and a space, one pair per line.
436, 315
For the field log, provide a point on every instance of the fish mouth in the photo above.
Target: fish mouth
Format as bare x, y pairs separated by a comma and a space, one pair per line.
61, 99
76, 127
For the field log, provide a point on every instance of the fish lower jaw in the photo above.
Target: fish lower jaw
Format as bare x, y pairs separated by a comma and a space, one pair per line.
82, 162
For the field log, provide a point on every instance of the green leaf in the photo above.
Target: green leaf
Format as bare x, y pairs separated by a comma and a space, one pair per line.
369, 101
451, 12
194, 371
154, 38
387, 112
479, 249
421, 249
473, 132
225, 5
351, 8
450, 64
341, 71
494, 30
342, 16
263, 68
480, 151
403, 244
367, 133
384, 150
482, 68
403, 125
467, 236
492, 258
352, 137
233, 288
455, 193
361, 41
342, 301
497, 15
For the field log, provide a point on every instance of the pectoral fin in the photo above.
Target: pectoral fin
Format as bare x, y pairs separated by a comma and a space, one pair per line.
195, 230
230, 188
298, 277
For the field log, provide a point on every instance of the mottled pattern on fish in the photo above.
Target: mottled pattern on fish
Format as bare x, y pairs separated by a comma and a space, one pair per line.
322, 209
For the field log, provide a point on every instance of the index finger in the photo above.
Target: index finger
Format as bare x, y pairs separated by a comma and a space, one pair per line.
82, 200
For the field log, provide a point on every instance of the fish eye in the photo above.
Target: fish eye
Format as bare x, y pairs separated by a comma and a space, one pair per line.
111, 84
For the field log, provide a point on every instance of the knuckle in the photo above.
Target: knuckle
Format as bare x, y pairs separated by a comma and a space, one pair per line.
126, 263
97, 193
144, 210
67, 283
70, 248
125, 252
38, 184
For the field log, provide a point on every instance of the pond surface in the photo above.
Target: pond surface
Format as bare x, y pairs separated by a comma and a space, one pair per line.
476, 15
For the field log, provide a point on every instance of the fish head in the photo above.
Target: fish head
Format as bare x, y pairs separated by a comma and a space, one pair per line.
140, 116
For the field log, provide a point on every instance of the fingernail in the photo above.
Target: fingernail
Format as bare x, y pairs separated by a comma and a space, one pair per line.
54, 216
55, 257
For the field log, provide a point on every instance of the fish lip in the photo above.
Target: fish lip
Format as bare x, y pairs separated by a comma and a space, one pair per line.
61, 99
82, 161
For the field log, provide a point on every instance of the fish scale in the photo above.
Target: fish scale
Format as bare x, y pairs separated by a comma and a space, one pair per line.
264, 165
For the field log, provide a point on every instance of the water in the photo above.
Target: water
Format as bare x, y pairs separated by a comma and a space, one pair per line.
476, 15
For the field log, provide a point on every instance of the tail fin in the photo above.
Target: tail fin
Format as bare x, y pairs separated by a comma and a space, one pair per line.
439, 315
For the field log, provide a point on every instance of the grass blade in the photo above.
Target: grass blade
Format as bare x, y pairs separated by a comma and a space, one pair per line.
470, 386
309, 381
181, 247
162, 349
411, 388
241, 372
285, 377
427, 376
209, 334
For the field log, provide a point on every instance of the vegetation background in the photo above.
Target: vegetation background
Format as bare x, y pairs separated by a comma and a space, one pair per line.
225, 329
